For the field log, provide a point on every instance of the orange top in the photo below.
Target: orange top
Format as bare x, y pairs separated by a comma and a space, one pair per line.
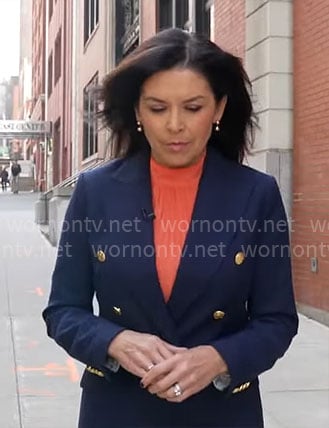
174, 191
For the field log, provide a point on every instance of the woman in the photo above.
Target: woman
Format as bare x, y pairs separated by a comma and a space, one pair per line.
191, 309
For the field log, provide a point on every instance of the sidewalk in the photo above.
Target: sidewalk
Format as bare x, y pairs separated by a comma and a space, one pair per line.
296, 391
40, 383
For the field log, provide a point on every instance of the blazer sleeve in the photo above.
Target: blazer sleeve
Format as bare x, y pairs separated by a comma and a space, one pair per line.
69, 315
273, 319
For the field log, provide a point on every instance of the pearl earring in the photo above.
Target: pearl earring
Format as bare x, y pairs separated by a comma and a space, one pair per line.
217, 126
139, 126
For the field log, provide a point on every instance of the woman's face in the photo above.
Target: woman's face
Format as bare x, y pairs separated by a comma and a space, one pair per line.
177, 110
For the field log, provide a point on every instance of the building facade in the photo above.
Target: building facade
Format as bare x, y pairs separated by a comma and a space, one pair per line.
10, 110
311, 157
58, 89
93, 57
36, 149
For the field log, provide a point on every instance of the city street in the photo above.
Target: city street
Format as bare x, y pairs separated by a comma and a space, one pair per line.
40, 383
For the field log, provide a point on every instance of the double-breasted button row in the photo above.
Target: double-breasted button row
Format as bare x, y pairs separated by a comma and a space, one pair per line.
238, 259
217, 315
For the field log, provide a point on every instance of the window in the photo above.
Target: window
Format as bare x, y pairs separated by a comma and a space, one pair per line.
165, 16
173, 13
58, 56
202, 17
91, 16
127, 28
181, 13
90, 136
50, 74
190, 15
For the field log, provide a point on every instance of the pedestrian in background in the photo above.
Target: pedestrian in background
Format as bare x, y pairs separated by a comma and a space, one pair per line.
15, 172
4, 179
188, 317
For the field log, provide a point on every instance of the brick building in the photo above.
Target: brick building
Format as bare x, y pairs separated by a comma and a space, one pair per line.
58, 88
36, 150
311, 157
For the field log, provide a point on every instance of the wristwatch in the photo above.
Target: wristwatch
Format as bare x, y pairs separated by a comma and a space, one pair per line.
222, 381
112, 364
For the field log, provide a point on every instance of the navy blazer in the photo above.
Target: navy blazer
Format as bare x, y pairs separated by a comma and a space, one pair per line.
233, 288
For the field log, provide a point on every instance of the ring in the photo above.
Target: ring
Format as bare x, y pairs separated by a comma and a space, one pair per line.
150, 367
177, 390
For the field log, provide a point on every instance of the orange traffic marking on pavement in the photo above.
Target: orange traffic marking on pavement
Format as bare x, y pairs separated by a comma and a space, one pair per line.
39, 291
55, 370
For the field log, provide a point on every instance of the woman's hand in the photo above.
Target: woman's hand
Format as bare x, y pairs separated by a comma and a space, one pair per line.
139, 352
193, 370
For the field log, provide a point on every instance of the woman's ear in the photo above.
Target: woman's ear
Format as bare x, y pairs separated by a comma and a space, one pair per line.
137, 114
220, 108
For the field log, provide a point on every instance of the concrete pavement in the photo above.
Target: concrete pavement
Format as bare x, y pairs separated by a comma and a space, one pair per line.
39, 383
296, 391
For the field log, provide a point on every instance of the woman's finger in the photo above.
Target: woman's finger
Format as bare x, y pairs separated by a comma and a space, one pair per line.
175, 349
177, 392
164, 383
133, 368
137, 363
164, 352
160, 371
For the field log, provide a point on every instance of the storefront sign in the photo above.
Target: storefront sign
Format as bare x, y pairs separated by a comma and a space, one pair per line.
24, 128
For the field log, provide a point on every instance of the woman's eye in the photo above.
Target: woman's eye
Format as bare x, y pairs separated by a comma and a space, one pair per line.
189, 108
193, 108
157, 109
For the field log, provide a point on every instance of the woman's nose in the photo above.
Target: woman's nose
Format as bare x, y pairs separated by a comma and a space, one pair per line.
175, 123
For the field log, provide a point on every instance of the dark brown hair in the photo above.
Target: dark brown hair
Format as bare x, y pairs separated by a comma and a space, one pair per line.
177, 48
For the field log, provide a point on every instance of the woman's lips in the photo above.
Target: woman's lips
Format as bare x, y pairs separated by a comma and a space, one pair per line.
177, 146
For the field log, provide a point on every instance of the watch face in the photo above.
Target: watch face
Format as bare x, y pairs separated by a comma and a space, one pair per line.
222, 381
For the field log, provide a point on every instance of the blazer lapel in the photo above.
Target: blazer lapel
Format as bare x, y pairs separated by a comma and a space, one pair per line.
221, 198
135, 184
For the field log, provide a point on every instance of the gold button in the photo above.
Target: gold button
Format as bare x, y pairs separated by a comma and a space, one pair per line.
101, 256
218, 315
239, 258
117, 310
